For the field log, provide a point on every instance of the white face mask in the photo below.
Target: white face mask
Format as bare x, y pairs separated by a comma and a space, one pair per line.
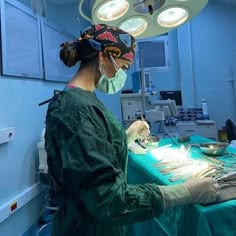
114, 84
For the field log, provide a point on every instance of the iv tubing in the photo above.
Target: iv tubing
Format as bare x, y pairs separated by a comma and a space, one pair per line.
82, 14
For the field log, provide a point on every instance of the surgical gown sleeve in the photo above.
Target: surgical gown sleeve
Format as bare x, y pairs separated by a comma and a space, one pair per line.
90, 166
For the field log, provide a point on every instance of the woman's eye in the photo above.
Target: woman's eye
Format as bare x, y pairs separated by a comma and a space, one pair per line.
125, 68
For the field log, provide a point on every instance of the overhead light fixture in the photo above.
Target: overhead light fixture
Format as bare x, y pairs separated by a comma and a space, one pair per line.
111, 10
134, 25
172, 17
147, 6
144, 18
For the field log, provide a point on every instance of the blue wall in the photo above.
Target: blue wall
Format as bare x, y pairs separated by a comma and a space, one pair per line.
214, 55
207, 56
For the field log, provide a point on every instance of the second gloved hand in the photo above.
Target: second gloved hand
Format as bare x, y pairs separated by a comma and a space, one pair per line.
137, 130
202, 190
195, 190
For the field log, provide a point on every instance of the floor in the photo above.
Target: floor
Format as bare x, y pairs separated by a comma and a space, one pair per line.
44, 230
43, 225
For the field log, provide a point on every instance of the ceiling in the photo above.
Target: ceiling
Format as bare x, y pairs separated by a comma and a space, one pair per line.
63, 1
231, 2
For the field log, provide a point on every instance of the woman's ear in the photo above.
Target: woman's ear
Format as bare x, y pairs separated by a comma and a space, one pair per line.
101, 57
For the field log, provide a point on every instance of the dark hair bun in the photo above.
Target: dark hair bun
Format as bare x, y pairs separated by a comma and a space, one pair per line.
72, 52
69, 54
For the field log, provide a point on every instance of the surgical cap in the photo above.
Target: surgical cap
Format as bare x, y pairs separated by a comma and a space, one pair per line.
110, 40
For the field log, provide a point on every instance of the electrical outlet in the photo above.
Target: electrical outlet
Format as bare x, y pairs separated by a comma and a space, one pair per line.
7, 134
13, 206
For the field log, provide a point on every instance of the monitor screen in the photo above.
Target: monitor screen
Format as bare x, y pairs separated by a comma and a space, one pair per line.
153, 54
169, 106
173, 95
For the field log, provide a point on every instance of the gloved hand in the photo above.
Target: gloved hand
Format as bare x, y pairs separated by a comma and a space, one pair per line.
202, 190
136, 148
137, 130
195, 190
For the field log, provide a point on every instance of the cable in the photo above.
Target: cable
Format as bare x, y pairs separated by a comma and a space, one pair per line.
82, 14
43, 8
26, 157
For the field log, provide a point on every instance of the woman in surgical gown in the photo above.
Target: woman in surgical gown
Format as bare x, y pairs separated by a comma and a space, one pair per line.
87, 146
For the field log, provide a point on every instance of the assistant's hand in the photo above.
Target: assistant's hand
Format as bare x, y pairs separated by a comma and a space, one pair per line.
195, 190
138, 130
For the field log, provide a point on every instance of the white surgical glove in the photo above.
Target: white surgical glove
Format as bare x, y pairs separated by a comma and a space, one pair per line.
195, 190
137, 130
136, 148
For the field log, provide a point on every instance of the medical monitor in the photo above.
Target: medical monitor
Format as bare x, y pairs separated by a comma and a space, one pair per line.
153, 54
169, 106
172, 95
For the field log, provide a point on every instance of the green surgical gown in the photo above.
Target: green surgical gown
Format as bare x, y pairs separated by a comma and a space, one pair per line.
87, 163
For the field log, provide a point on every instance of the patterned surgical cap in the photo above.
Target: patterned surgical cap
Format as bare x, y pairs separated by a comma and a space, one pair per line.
110, 40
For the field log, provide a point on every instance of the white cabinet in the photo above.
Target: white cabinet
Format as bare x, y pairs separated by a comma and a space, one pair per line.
206, 128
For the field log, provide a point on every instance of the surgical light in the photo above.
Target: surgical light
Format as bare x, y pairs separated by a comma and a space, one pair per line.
144, 18
172, 17
112, 10
134, 26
